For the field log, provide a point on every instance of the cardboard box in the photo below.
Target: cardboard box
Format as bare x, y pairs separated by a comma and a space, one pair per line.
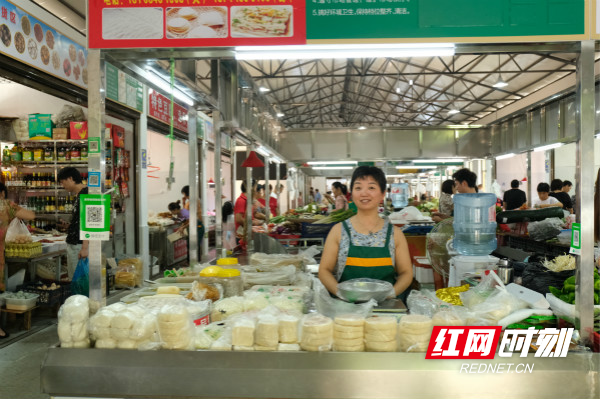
78, 130
60, 133
40, 127
117, 134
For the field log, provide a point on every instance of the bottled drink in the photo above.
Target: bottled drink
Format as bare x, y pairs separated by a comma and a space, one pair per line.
16, 155
38, 154
67, 154
61, 204
84, 153
474, 223
47, 182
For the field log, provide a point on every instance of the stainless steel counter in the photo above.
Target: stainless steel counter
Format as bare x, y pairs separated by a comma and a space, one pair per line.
103, 373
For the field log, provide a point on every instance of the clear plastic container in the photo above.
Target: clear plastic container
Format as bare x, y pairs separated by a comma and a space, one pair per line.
231, 279
474, 223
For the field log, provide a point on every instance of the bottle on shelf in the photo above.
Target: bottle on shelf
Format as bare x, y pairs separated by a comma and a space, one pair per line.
67, 154
75, 153
27, 153
61, 157
61, 204
49, 154
6, 155
38, 154
84, 153
16, 154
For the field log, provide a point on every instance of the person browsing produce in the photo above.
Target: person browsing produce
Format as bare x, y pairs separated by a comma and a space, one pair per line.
8, 211
544, 200
366, 245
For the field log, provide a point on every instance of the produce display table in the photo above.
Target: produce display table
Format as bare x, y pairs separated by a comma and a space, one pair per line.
26, 315
307, 375
31, 263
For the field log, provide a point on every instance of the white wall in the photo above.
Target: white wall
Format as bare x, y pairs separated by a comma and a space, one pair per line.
159, 149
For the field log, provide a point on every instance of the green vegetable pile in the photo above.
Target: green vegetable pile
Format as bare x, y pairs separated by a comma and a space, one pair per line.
336, 216
567, 294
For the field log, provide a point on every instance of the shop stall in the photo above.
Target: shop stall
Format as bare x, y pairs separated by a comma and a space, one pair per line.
204, 358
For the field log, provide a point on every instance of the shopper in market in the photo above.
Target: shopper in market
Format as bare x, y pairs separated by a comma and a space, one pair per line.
446, 205
514, 198
239, 209
556, 188
366, 245
8, 211
185, 191
272, 201
464, 183
318, 197
338, 198
71, 180
178, 212
544, 199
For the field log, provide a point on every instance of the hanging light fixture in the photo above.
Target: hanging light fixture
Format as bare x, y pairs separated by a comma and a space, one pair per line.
500, 83
253, 161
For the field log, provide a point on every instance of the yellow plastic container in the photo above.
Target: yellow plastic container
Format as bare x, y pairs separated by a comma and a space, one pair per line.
227, 261
210, 271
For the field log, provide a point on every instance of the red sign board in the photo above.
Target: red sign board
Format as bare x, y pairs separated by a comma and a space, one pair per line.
180, 249
463, 342
160, 108
195, 23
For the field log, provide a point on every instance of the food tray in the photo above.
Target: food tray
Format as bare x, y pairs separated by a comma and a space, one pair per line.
21, 304
311, 230
45, 297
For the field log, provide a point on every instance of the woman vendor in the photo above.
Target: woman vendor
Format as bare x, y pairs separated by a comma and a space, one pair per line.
366, 245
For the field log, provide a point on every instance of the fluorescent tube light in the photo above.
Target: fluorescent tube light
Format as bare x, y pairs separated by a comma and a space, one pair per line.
467, 126
155, 78
264, 152
263, 89
505, 156
330, 51
415, 167
331, 167
453, 112
548, 147
332, 163
440, 160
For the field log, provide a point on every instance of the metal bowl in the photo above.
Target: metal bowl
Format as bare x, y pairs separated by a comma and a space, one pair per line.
363, 290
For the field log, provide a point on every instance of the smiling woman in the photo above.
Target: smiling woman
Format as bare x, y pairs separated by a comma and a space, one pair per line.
366, 245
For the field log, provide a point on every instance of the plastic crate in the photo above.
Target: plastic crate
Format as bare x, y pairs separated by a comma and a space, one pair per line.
45, 297
540, 247
65, 290
311, 230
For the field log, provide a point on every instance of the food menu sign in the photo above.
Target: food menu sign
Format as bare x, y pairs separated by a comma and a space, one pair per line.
34, 43
159, 107
122, 88
195, 23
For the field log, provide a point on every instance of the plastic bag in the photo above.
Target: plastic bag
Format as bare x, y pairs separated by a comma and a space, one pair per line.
496, 307
316, 333
80, 284
414, 333
538, 278
309, 254
17, 232
125, 277
284, 275
409, 213
268, 262
545, 229
425, 302
73, 320
175, 328
332, 307
482, 291
138, 267
68, 114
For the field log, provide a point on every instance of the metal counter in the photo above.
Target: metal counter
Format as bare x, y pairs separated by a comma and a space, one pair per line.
104, 373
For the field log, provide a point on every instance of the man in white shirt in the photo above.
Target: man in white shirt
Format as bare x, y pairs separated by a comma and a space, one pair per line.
544, 200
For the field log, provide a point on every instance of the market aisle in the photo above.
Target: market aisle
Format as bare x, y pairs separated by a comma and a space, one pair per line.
20, 364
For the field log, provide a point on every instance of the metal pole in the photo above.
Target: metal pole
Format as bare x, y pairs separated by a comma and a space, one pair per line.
267, 191
585, 100
249, 202
96, 162
193, 183
529, 186
277, 191
204, 192
142, 187
217, 122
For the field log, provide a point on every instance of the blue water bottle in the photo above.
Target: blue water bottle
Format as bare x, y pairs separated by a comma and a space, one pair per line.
475, 223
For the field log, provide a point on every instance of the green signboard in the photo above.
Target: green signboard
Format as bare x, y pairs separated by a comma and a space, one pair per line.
94, 214
393, 19
123, 88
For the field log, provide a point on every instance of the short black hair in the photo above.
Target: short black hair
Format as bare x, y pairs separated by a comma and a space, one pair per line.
567, 183
447, 186
4, 190
244, 185
226, 210
174, 206
543, 188
556, 184
465, 174
362, 172
71, 172
514, 183
185, 191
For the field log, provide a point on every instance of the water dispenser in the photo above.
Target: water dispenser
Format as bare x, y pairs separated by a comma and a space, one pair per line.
474, 223
399, 194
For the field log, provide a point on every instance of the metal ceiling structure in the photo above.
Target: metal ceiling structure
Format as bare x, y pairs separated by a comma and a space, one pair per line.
383, 92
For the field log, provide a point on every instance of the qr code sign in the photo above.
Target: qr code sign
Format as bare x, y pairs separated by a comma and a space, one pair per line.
93, 146
94, 180
94, 216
